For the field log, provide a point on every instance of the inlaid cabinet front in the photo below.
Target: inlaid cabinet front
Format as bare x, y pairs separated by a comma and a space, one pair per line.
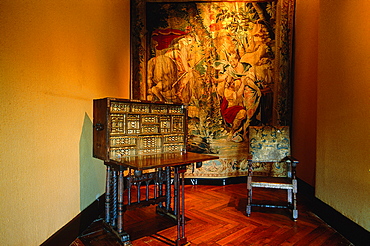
125, 128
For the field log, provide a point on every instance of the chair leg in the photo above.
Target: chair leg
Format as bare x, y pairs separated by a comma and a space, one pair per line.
290, 197
249, 202
295, 210
295, 190
249, 196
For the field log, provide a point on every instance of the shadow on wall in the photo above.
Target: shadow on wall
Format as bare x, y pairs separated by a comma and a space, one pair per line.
92, 170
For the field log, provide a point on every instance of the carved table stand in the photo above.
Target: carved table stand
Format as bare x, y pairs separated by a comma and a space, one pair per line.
127, 187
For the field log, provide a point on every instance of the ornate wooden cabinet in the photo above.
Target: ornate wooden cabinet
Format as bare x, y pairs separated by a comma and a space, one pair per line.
131, 127
133, 136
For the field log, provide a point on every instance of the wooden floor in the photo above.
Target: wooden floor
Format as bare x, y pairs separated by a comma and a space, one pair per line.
215, 215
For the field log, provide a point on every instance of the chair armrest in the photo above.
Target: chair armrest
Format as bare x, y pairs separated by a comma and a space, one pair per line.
291, 159
293, 162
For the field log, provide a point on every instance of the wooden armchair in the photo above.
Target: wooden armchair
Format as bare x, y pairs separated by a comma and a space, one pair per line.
271, 145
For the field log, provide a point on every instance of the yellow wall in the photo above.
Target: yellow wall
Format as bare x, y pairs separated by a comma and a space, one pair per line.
305, 88
55, 57
331, 103
343, 112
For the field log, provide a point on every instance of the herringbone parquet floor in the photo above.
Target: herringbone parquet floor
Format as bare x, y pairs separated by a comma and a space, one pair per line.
215, 215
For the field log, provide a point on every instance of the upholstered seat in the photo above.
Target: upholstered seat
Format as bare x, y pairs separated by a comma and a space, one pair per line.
268, 144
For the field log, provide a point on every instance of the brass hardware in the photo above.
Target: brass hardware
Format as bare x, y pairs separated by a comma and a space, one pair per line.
99, 127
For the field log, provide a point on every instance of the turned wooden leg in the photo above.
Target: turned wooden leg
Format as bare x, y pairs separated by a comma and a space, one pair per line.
120, 203
113, 212
179, 195
108, 193
168, 189
125, 238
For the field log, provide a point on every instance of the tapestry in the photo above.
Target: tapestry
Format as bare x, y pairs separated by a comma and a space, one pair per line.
229, 62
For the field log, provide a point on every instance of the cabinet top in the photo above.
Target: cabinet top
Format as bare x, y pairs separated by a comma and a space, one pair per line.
109, 99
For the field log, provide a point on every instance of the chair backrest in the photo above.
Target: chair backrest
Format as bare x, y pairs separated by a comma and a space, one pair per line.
269, 143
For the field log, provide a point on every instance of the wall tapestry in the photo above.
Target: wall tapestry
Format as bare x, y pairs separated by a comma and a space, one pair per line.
229, 61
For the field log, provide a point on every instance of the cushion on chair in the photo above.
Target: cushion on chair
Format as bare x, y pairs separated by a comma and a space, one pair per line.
278, 169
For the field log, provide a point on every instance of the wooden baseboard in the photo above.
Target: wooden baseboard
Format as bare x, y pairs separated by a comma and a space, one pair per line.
68, 233
346, 227
215, 181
